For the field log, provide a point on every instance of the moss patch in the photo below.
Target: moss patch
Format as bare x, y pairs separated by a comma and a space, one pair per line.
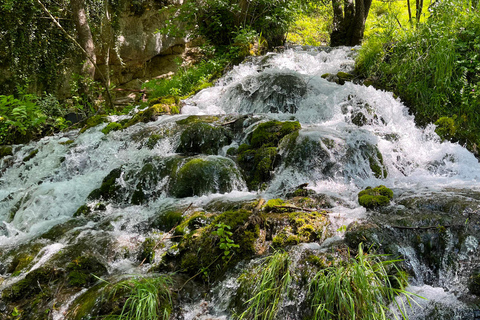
113, 126
376, 197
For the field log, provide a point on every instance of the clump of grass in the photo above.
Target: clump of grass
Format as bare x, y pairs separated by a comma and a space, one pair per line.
147, 298
360, 289
267, 286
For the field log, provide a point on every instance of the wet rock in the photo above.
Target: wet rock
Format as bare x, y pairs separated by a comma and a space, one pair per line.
259, 158
5, 151
201, 137
202, 175
268, 92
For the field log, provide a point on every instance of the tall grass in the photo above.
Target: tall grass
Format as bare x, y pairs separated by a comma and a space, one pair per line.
147, 298
360, 289
267, 286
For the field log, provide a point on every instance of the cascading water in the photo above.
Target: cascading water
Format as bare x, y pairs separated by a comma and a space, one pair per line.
351, 137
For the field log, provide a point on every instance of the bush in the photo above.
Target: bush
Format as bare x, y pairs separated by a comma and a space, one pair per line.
19, 117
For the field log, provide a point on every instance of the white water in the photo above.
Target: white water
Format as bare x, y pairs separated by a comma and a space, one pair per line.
49, 188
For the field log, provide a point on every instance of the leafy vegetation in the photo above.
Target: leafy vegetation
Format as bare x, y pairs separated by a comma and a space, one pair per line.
361, 288
434, 67
266, 287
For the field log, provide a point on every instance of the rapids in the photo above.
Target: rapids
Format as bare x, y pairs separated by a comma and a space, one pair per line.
351, 137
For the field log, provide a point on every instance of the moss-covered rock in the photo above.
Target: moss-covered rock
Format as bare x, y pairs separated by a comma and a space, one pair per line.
152, 113
259, 158
194, 119
376, 197
112, 126
84, 270
93, 122
109, 189
31, 155
34, 283
446, 128
203, 175
269, 134
201, 137
6, 151
376, 164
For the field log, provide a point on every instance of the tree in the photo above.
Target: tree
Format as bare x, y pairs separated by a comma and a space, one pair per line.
349, 22
85, 38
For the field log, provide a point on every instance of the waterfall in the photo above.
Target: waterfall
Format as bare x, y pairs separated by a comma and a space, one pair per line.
351, 136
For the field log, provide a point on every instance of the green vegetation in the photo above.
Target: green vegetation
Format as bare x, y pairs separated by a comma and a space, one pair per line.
360, 288
146, 298
434, 67
265, 287
376, 197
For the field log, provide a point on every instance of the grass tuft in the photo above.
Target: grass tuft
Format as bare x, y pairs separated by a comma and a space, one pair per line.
267, 286
360, 289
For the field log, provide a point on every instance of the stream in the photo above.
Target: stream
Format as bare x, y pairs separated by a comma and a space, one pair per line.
351, 137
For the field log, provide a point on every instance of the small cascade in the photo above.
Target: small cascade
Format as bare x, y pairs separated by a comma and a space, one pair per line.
141, 200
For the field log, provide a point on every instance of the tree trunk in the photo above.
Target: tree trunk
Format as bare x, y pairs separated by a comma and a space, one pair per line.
85, 38
349, 22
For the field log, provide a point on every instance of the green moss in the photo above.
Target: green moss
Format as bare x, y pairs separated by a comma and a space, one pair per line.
66, 143
232, 151
152, 140
169, 100
194, 119
82, 271
34, 283
6, 151
152, 113
259, 159
20, 262
271, 132
31, 155
84, 210
270, 205
201, 137
93, 122
167, 220
200, 252
113, 126
200, 176
372, 198
377, 166
279, 241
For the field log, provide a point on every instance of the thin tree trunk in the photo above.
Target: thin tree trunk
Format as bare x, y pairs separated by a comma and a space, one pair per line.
409, 12
84, 37
419, 4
